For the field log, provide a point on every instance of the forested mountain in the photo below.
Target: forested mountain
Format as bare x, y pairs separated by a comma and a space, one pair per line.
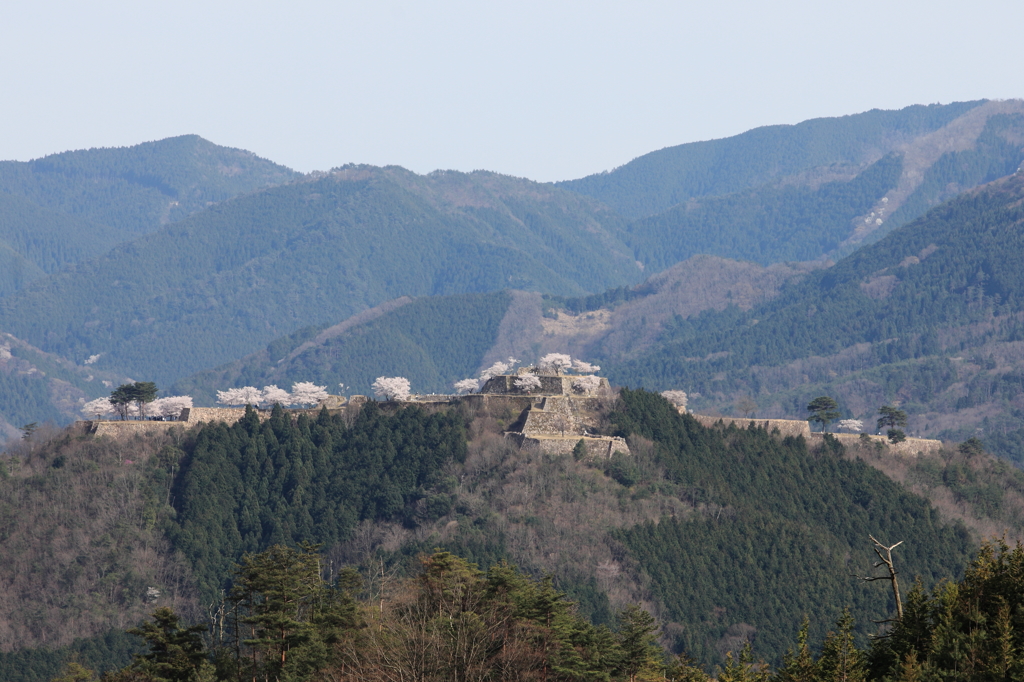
812, 216
38, 387
64, 208
695, 525
438, 340
35, 241
654, 182
929, 316
234, 277
431, 341
767, 224
134, 190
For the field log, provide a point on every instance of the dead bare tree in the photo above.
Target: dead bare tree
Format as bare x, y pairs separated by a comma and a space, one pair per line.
886, 560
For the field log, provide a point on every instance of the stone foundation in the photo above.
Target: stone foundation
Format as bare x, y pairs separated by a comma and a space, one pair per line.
792, 427
598, 447
786, 427
116, 428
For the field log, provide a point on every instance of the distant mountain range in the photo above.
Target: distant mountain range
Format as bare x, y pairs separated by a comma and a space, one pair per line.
230, 279
435, 341
164, 260
65, 208
930, 317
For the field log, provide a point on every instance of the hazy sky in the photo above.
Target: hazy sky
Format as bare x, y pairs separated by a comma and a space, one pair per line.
548, 90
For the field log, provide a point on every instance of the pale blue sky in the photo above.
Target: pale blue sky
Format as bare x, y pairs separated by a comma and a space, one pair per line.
547, 90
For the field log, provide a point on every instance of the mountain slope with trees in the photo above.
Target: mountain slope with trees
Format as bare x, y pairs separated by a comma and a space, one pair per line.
134, 190
36, 241
432, 341
438, 340
38, 387
389, 482
928, 316
654, 182
234, 277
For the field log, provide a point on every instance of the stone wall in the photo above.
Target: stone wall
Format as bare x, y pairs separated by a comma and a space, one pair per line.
228, 415
911, 447
792, 427
189, 417
120, 429
598, 447
786, 427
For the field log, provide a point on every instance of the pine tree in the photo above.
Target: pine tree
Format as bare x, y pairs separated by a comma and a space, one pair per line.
798, 665
176, 654
840, 659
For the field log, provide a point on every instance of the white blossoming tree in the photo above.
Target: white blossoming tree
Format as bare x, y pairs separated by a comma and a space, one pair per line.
391, 388
851, 425
555, 362
527, 383
232, 396
98, 408
586, 384
677, 398
466, 386
272, 395
171, 407
246, 395
584, 367
307, 393
497, 369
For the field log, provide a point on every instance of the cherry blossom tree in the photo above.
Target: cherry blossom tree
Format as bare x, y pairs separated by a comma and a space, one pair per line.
466, 386
527, 382
584, 367
171, 407
586, 384
497, 369
391, 388
228, 397
555, 362
852, 425
98, 408
272, 395
677, 398
308, 393
247, 395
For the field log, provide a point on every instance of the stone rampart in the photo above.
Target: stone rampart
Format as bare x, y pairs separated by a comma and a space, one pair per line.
228, 415
189, 417
120, 429
496, 402
786, 427
911, 447
598, 447
792, 427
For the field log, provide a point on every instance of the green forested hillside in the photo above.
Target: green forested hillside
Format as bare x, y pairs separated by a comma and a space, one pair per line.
247, 487
704, 526
229, 280
997, 153
764, 225
35, 241
780, 535
134, 190
432, 341
40, 387
659, 180
910, 318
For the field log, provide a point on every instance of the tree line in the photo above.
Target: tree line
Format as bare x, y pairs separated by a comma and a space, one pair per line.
286, 618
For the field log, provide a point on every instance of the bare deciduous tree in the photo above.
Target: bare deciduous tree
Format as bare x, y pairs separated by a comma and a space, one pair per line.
885, 555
